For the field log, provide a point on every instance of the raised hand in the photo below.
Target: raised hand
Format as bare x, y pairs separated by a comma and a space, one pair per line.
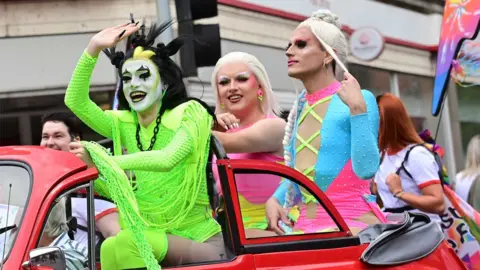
350, 93
109, 37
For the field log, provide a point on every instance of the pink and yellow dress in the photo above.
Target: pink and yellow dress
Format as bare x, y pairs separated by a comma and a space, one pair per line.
339, 153
254, 189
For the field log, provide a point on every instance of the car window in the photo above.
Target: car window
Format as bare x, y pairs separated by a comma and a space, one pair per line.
15, 185
58, 230
253, 191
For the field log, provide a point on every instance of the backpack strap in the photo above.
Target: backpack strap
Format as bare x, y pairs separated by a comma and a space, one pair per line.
405, 159
437, 158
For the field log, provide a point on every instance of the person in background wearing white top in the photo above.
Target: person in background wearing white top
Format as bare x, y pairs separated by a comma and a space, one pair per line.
464, 180
61, 131
422, 192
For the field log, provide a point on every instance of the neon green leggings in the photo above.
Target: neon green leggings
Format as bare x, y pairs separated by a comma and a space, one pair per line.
120, 251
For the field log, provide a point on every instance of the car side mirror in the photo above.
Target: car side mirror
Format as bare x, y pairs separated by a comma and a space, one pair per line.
51, 258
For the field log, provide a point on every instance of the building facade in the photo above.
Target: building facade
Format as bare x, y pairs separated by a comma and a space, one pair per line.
41, 41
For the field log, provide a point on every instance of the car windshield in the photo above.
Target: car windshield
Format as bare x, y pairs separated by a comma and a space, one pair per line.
15, 184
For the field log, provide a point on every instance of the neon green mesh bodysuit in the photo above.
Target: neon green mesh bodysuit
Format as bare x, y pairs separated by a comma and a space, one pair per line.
170, 193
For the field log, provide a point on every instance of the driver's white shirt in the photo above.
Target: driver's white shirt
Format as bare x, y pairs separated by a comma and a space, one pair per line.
79, 210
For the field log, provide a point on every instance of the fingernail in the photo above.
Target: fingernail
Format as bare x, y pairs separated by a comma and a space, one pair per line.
137, 23
121, 34
226, 127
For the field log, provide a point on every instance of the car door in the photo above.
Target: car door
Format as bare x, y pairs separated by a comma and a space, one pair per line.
334, 249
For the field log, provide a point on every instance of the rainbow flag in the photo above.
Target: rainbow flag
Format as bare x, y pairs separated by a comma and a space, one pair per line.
461, 225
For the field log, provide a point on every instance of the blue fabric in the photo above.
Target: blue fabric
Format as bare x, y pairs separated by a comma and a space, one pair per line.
343, 137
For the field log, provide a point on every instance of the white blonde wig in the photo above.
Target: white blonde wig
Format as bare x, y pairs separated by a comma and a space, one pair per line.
326, 27
269, 103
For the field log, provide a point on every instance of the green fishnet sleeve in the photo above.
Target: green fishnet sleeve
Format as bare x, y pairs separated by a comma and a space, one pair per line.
79, 102
159, 160
124, 197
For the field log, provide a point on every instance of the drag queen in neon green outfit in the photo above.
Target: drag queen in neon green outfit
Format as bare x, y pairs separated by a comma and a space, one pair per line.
164, 212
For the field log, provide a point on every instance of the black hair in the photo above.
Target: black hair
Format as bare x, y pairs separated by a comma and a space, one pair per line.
67, 118
170, 72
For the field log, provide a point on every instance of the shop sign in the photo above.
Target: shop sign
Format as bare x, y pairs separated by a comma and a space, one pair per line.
366, 44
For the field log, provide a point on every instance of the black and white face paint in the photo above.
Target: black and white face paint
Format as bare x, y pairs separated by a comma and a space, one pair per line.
142, 84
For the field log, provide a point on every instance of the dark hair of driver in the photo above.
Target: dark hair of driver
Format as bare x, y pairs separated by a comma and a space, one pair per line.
67, 118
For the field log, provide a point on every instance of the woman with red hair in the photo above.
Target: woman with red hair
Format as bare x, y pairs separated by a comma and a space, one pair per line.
416, 187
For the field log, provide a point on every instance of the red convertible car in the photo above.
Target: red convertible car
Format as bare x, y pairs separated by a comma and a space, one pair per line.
35, 178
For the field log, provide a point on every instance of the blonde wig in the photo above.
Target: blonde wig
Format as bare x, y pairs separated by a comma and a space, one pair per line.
269, 103
326, 27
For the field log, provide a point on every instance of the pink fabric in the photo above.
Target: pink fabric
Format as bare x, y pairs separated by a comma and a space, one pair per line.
255, 188
344, 192
325, 92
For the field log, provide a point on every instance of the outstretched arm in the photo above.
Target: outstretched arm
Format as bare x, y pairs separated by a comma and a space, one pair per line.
78, 101
76, 97
364, 138
264, 136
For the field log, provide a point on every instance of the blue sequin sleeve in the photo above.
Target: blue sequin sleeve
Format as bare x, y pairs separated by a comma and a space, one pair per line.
364, 130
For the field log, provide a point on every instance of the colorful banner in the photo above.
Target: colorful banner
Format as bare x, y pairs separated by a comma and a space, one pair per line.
467, 64
460, 22
460, 224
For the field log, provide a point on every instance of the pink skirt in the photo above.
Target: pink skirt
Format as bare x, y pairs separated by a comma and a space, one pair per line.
350, 196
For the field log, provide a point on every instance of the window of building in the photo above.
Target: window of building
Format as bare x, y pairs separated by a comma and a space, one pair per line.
9, 131
12, 109
416, 94
375, 80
